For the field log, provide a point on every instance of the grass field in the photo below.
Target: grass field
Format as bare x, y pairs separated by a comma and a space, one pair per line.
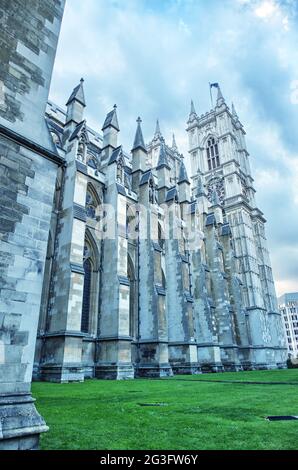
197, 412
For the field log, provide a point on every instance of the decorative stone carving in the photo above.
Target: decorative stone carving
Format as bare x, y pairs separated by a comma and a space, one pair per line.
216, 184
81, 154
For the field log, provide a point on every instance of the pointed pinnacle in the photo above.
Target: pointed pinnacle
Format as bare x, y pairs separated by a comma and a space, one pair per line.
215, 198
220, 99
234, 113
78, 94
139, 139
111, 119
183, 178
157, 129
174, 145
200, 187
163, 159
192, 108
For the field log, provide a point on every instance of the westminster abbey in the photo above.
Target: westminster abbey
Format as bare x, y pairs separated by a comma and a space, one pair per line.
119, 263
151, 271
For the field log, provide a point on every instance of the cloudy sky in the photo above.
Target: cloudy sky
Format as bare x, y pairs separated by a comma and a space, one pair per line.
152, 56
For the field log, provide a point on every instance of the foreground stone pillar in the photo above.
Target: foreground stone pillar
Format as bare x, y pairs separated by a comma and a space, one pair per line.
28, 169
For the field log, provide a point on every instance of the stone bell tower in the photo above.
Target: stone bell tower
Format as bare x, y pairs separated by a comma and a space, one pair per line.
219, 156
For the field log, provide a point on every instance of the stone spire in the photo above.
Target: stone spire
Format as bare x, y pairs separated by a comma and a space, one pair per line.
200, 190
174, 145
157, 133
76, 104
78, 94
139, 156
139, 139
234, 113
201, 195
215, 198
192, 114
111, 120
220, 99
163, 159
192, 108
110, 130
216, 207
183, 177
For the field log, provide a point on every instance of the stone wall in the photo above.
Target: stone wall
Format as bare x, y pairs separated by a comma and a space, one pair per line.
29, 33
28, 170
27, 183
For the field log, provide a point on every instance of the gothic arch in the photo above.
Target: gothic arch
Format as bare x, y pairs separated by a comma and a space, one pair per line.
91, 242
90, 304
46, 291
93, 202
132, 298
212, 153
92, 160
210, 135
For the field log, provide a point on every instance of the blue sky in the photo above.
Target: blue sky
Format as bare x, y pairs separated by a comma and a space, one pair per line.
152, 56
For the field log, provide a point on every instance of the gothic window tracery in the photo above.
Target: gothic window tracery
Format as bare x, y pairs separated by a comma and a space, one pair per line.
90, 286
91, 161
212, 154
132, 295
92, 204
86, 296
216, 185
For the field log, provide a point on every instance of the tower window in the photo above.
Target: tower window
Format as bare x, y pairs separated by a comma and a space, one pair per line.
212, 154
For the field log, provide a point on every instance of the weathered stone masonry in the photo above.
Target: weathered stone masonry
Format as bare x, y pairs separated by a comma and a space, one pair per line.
176, 288
28, 172
192, 291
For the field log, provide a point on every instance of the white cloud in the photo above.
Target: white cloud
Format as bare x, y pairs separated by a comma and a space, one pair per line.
266, 9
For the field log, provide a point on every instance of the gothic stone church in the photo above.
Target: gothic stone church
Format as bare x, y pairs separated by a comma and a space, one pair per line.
183, 284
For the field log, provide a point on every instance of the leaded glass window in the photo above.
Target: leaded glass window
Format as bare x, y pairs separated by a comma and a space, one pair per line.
212, 154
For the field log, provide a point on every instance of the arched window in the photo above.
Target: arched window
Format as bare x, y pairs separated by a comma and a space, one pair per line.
91, 161
86, 296
212, 154
92, 203
132, 297
90, 206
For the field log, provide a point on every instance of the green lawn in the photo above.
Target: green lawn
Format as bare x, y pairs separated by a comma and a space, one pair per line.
196, 413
